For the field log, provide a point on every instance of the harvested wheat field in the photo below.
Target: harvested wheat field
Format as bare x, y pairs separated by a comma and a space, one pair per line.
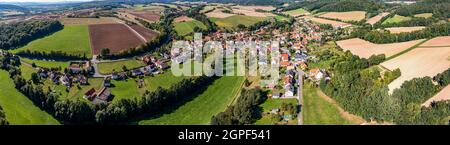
376, 18
345, 16
252, 13
396, 30
419, 62
217, 13
254, 8
335, 24
182, 19
443, 95
87, 21
146, 16
365, 49
442, 41
147, 34
116, 37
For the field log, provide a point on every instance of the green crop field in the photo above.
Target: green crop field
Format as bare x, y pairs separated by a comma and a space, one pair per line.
296, 12
233, 21
127, 89
317, 111
213, 100
185, 28
27, 71
281, 18
109, 67
46, 64
19, 109
72, 40
165, 80
396, 19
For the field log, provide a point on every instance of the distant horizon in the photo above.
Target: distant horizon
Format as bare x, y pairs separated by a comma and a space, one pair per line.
41, 1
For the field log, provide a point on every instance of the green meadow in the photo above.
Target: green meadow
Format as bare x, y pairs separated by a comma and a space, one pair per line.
199, 111
233, 21
396, 19
109, 67
317, 111
185, 28
19, 109
71, 39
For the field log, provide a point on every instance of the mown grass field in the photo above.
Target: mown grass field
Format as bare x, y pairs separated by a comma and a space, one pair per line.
18, 108
109, 67
129, 89
213, 100
46, 64
296, 12
165, 80
396, 19
27, 71
424, 15
233, 21
126, 89
185, 28
72, 40
317, 111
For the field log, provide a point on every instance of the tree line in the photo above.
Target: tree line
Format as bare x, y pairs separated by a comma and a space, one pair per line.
245, 111
370, 6
195, 14
375, 36
3, 120
415, 21
55, 55
18, 34
350, 83
439, 8
156, 44
81, 112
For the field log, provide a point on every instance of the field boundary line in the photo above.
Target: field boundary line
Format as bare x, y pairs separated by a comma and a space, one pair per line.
136, 33
344, 114
434, 46
237, 95
407, 50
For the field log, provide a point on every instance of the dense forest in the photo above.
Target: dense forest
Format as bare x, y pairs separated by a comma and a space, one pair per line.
370, 6
81, 112
245, 111
439, 8
3, 120
376, 36
352, 5
54, 55
18, 34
